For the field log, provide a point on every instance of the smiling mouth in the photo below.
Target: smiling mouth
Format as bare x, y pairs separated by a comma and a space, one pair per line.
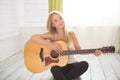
61, 25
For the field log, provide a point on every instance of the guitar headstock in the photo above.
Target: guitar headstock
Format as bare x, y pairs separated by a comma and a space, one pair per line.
108, 49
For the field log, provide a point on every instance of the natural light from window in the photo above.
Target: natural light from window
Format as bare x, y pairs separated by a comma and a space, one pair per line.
91, 12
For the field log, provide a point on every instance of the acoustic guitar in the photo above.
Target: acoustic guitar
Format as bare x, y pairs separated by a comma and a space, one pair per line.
39, 57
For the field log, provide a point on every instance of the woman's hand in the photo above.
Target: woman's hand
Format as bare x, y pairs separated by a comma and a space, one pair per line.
57, 47
97, 52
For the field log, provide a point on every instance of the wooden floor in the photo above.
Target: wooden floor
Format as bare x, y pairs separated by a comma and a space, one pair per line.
104, 67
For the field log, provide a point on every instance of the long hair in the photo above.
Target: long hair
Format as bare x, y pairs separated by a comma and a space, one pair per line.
53, 30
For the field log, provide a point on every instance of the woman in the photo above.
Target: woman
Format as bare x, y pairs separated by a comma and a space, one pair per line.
57, 31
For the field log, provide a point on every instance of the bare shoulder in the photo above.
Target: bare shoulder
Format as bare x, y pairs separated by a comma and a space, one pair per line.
72, 34
75, 40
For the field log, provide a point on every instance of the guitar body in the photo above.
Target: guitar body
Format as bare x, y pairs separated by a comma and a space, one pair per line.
38, 58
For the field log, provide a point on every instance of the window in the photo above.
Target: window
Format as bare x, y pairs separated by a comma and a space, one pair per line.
91, 12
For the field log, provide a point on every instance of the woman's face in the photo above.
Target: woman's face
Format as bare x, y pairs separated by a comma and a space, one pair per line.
57, 21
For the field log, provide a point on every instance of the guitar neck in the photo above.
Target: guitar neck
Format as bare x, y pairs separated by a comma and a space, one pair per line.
72, 52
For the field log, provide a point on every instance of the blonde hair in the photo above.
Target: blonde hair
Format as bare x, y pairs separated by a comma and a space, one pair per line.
52, 29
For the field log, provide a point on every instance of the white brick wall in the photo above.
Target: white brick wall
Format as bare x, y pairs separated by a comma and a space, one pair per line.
16, 13
35, 12
8, 16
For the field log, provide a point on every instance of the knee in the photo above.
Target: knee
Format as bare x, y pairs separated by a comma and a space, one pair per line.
54, 69
85, 64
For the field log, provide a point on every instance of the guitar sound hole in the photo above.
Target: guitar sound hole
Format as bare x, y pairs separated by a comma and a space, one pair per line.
54, 54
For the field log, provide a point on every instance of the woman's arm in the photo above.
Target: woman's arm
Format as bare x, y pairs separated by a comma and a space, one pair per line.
77, 46
75, 41
42, 40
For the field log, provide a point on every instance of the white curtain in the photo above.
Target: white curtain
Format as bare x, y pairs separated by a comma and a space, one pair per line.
96, 22
92, 12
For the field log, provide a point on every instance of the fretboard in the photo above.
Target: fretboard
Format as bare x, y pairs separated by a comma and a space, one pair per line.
73, 52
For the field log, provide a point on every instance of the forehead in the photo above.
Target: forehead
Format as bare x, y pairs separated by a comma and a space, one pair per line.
55, 15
